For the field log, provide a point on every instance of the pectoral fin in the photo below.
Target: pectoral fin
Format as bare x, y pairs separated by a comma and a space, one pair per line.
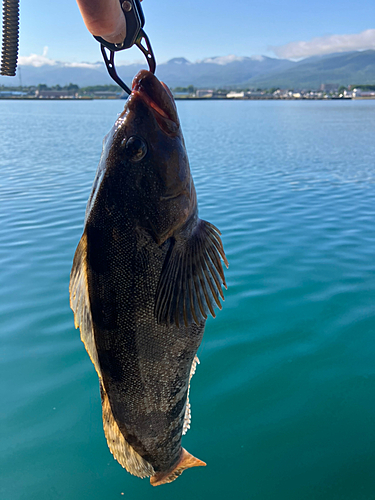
186, 462
192, 277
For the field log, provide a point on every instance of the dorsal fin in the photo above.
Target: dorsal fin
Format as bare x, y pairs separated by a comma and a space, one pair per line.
80, 301
186, 462
190, 283
122, 451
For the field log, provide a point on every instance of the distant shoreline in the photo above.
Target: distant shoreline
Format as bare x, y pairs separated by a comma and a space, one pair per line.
258, 98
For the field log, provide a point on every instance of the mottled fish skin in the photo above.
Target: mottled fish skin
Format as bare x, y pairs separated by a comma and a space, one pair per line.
145, 276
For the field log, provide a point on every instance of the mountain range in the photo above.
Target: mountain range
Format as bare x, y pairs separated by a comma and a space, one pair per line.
216, 72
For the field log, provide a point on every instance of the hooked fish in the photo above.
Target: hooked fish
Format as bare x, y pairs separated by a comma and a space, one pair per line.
146, 274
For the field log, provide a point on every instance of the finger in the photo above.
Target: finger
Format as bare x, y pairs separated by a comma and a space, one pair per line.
104, 18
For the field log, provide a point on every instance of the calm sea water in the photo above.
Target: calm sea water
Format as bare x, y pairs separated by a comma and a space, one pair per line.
283, 403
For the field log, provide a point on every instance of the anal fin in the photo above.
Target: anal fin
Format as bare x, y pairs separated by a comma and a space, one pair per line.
187, 419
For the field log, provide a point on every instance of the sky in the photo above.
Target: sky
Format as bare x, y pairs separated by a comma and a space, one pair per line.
196, 29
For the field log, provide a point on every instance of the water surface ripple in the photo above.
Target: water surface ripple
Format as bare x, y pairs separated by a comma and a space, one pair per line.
283, 401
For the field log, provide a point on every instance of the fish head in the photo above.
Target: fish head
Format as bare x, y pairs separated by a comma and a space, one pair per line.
149, 149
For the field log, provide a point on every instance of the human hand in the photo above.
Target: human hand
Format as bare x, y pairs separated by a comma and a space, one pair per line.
104, 18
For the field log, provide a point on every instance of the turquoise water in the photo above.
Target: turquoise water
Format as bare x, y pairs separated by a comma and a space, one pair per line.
283, 401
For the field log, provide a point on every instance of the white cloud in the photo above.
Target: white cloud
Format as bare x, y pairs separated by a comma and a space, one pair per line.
257, 58
222, 60
36, 60
124, 62
83, 65
327, 45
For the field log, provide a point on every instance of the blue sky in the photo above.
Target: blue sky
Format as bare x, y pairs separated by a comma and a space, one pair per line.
197, 29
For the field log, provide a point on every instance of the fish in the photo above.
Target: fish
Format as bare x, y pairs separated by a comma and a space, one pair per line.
146, 274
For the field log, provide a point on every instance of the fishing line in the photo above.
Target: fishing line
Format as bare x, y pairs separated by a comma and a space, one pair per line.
9, 53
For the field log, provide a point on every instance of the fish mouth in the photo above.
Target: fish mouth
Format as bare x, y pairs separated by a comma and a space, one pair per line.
157, 96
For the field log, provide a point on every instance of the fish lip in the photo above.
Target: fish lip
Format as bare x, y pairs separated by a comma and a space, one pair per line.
145, 85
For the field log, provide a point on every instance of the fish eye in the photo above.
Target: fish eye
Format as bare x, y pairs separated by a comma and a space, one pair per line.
136, 148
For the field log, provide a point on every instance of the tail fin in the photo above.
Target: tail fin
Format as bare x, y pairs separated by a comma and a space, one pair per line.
186, 461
